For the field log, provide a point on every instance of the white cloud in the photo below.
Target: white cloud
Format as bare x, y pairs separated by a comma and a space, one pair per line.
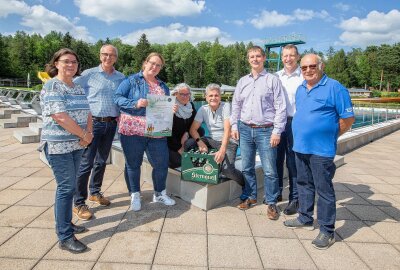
13, 7
342, 7
235, 22
269, 19
377, 28
138, 10
42, 21
53, 22
177, 32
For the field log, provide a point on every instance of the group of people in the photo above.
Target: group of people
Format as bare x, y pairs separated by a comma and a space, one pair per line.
296, 114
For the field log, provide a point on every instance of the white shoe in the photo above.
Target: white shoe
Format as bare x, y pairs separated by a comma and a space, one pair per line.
136, 204
164, 198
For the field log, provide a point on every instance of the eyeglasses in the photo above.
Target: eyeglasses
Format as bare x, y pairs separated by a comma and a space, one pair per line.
312, 67
154, 64
184, 94
68, 62
106, 55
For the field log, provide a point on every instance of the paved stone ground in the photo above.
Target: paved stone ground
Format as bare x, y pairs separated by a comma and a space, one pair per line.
184, 237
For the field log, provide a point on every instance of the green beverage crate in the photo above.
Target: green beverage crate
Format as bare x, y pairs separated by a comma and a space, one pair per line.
198, 167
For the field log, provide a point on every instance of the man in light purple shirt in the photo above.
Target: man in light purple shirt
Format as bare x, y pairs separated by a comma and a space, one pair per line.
259, 115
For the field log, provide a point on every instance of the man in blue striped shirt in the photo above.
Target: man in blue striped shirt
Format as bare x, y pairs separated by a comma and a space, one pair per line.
100, 84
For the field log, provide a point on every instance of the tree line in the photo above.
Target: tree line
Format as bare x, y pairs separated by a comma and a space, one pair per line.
375, 67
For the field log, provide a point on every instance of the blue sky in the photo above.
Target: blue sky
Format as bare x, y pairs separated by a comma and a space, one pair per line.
341, 24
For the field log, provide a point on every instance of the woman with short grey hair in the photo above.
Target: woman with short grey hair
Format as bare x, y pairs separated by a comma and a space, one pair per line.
183, 119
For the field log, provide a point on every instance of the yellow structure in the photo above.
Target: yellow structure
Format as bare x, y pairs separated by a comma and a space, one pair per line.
43, 76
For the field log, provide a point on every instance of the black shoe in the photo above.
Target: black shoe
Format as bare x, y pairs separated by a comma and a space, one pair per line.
73, 245
291, 208
78, 229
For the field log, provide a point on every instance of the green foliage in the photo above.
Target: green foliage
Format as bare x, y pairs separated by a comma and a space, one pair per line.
364, 69
197, 65
377, 93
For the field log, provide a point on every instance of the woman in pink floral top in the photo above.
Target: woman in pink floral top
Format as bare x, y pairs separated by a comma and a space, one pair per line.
131, 98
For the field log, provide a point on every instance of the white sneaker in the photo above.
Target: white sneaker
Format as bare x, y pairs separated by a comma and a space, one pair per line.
136, 205
164, 198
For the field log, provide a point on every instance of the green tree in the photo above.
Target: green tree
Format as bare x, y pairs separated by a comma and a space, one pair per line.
5, 67
140, 52
336, 68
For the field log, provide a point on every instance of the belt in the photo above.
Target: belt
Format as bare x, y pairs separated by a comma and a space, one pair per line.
258, 126
104, 119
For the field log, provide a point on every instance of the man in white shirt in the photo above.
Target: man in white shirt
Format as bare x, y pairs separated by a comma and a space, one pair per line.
291, 78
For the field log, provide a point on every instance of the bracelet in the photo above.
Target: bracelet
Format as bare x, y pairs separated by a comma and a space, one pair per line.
84, 134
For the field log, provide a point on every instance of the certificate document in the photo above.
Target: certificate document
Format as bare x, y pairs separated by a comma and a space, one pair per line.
159, 115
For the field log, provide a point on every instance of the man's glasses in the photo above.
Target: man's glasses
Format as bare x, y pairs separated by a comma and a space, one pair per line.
154, 64
68, 62
184, 94
106, 55
312, 67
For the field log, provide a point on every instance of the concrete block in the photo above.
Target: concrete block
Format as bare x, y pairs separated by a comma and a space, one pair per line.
11, 111
13, 101
173, 184
117, 156
36, 127
26, 136
204, 196
25, 105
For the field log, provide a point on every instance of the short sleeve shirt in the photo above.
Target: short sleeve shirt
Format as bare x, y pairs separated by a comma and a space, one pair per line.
316, 121
214, 120
58, 97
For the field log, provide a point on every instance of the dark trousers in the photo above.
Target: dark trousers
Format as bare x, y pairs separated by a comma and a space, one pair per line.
285, 150
93, 162
315, 174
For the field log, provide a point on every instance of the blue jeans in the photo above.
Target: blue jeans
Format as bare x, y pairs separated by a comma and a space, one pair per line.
94, 160
315, 173
157, 154
65, 168
252, 139
285, 149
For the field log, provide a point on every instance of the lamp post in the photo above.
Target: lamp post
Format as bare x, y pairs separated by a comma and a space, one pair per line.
28, 80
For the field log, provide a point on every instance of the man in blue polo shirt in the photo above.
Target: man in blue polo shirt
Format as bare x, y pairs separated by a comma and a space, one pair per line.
100, 84
323, 112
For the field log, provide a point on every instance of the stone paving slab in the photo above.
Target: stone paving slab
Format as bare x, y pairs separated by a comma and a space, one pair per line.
129, 245
228, 223
279, 253
63, 265
17, 264
32, 183
182, 249
338, 256
230, 251
29, 243
20, 216
378, 256
185, 237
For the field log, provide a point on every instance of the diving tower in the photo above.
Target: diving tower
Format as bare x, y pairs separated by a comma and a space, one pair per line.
280, 42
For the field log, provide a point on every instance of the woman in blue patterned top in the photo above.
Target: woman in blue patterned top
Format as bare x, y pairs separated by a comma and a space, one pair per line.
67, 130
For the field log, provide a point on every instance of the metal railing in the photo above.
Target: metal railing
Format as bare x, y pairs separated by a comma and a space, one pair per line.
371, 114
